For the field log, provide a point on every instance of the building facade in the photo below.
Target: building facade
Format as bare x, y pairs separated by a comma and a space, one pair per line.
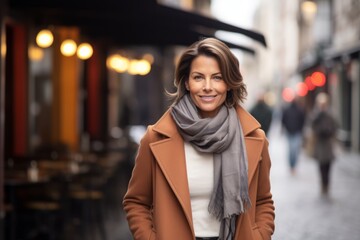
331, 43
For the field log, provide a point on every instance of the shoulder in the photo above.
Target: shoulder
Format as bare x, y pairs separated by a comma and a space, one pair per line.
259, 133
164, 127
247, 121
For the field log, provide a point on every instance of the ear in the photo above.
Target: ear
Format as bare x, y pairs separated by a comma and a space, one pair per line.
187, 85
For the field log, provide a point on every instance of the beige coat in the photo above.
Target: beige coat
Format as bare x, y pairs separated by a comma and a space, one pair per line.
157, 202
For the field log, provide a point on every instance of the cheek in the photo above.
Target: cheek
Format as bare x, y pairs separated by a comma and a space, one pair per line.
223, 99
194, 87
223, 88
226, 94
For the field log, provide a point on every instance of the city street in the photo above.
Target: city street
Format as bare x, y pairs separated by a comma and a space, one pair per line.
301, 212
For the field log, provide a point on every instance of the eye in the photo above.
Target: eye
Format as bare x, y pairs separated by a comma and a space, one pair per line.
197, 77
218, 78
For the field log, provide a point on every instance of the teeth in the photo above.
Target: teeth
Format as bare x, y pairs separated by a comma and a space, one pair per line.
207, 97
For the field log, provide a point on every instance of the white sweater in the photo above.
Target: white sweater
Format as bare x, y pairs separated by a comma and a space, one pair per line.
200, 173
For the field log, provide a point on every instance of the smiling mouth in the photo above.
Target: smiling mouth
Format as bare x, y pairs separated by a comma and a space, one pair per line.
208, 98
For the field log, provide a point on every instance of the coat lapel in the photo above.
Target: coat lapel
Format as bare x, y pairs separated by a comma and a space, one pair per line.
170, 156
253, 144
253, 149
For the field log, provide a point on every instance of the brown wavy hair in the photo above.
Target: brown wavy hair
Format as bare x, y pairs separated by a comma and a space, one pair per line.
228, 63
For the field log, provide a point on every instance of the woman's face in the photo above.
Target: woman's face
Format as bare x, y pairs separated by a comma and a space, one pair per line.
206, 85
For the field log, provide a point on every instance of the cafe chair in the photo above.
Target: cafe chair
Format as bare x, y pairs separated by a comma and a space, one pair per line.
87, 208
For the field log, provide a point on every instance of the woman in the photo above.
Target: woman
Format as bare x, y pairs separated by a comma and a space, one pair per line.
324, 128
202, 171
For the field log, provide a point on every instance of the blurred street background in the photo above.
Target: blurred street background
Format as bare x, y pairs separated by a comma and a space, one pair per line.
80, 81
302, 212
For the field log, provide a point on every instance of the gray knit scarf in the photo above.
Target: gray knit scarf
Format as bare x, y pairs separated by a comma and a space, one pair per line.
222, 136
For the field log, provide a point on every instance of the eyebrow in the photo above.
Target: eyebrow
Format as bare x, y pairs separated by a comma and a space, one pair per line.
203, 74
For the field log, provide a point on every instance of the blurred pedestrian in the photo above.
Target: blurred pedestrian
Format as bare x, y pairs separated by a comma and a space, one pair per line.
263, 113
324, 127
293, 121
202, 171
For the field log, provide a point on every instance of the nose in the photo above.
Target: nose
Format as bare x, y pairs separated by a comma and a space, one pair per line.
207, 85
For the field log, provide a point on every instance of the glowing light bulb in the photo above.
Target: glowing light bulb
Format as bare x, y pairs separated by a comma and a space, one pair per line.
68, 48
309, 9
3, 49
118, 63
288, 94
143, 67
44, 38
302, 89
133, 67
36, 54
318, 79
84, 51
149, 58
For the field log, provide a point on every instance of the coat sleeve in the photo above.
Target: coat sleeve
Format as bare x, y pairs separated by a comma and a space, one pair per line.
138, 198
265, 210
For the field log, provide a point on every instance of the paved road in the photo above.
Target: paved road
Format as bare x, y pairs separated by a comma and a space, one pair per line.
301, 212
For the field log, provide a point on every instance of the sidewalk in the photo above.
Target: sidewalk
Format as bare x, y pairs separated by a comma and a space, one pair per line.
301, 212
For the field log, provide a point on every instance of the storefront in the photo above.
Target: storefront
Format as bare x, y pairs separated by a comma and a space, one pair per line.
344, 86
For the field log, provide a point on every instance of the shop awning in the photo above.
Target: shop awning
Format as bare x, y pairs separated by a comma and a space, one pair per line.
129, 22
347, 52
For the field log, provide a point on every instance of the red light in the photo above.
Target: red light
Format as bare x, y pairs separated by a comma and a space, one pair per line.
301, 89
318, 79
309, 83
288, 94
